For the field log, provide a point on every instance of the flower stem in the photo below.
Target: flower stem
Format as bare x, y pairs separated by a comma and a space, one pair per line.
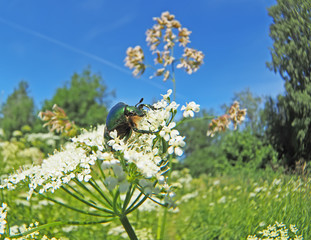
161, 225
58, 224
174, 83
174, 89
128, 227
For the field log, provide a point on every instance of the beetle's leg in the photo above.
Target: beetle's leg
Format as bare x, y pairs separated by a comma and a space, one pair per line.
143, 131
147, 106
127, 136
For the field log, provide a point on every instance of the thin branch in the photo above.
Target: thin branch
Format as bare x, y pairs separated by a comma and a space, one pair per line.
74, 209
86, 202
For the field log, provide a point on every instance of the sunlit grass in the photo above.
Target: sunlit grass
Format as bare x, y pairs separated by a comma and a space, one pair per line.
233, 207
225, 207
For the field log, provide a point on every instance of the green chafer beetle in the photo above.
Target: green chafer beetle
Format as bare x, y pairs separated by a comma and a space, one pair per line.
124, 119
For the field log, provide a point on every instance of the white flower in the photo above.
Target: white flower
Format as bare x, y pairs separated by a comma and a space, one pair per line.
161, 180
222, 199
172, 106
175, 145
293, 228
160, 104
216, 182
3, 214
116, 143
168, 199
108, 159
167, 131
167, 95
190, 109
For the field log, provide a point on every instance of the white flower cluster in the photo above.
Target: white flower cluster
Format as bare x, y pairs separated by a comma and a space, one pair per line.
49, 138
144, 156
146, 151
3, 214
71, 162
278, 231
16, 230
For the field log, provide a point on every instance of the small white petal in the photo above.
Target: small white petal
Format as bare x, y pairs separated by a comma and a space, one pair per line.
178, 151
170, 150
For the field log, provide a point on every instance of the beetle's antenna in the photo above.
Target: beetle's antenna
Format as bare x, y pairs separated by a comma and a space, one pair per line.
141, 100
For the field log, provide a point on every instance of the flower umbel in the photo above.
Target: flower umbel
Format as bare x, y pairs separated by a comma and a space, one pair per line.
3, 222
220, 124
58, 121
124, 163
165, 35
278, 231
236, 114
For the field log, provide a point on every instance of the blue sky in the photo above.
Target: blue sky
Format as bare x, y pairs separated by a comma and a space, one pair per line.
45, 42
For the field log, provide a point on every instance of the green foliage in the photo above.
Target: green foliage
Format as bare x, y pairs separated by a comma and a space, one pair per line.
244, 149
195, 132
289, 121
238, 149
209, 160
84, 99
17, 111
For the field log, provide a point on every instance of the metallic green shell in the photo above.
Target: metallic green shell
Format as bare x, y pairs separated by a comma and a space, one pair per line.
116, 116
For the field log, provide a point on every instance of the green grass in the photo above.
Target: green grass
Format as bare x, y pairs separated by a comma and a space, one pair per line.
233, 207
224, 207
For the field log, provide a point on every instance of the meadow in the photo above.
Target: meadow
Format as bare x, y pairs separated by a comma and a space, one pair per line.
225, 207
129, 177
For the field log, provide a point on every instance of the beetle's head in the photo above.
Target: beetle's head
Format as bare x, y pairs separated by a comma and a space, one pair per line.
133, 114
132, 111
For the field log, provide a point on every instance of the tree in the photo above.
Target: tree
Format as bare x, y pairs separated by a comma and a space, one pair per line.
84, 99
18, 110
246, 147
289, 117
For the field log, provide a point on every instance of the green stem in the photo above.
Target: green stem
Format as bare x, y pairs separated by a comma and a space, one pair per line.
90, 192
161, 229
128, 227
115, 202
86, 202
75, 209
161, 225
57, 224
128, 197
173, 78
174, 88
129, 210
96, 187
